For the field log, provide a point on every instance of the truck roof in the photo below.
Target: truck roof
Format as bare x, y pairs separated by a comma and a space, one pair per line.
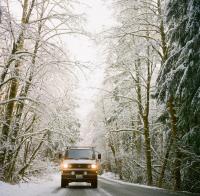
80, 147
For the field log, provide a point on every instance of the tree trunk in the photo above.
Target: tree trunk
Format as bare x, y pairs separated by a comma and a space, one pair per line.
11, 164
145, 115
146, 122
35, 151
162, 34
26, 87
148, 151
117, 162
177, 160
18, 45
164, 165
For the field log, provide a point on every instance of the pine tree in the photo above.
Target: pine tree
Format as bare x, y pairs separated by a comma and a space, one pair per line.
179, 82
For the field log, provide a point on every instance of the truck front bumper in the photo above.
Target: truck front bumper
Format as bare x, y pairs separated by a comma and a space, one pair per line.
79, 175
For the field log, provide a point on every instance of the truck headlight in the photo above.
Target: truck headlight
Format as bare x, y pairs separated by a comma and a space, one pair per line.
65, 166
94, 166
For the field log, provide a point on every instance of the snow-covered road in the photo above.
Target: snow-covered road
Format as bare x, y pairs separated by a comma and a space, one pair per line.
50, 186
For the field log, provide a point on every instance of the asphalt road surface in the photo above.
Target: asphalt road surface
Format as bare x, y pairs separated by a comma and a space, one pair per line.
49, 185
112, 188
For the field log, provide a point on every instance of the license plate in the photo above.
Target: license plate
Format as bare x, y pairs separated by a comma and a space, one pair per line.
79, 176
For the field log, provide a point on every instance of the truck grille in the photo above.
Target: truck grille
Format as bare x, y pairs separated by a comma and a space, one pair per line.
80, 166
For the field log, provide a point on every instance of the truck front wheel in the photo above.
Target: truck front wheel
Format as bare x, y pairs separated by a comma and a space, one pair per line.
64, 183
94, 184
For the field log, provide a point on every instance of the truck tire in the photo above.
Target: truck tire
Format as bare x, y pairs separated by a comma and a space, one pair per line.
94, 184
63, 183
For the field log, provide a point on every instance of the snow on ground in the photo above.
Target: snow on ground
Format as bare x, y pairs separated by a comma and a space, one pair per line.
41, 187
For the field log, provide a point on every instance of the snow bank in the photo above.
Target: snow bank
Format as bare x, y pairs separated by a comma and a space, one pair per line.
115, 178
39, 187
110, 175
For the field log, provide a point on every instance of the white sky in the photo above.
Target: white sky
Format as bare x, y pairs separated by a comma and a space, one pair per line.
99, 17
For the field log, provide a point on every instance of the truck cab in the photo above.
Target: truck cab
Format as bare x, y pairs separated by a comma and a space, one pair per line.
80, 164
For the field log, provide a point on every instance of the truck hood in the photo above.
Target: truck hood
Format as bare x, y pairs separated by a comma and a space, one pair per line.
81, 161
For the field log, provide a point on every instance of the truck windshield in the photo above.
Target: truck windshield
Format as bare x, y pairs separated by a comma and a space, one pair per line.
80, 154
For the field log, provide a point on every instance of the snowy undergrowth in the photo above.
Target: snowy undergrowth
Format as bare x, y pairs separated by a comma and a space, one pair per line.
33, 185
43, 168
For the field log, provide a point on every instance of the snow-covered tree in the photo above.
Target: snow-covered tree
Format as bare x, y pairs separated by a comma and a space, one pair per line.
179, 84
32, 57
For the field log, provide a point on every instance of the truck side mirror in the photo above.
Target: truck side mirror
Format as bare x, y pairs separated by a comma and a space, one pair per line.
99, 156
60, 156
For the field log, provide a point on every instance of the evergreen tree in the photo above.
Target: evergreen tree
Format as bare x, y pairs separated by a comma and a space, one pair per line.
179, 79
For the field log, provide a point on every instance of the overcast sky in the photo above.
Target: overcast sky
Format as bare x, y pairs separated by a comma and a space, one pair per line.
99, 17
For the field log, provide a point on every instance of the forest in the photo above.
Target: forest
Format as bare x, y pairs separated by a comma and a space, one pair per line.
146, 118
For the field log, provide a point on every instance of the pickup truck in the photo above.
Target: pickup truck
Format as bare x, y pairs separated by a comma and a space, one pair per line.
80, 164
